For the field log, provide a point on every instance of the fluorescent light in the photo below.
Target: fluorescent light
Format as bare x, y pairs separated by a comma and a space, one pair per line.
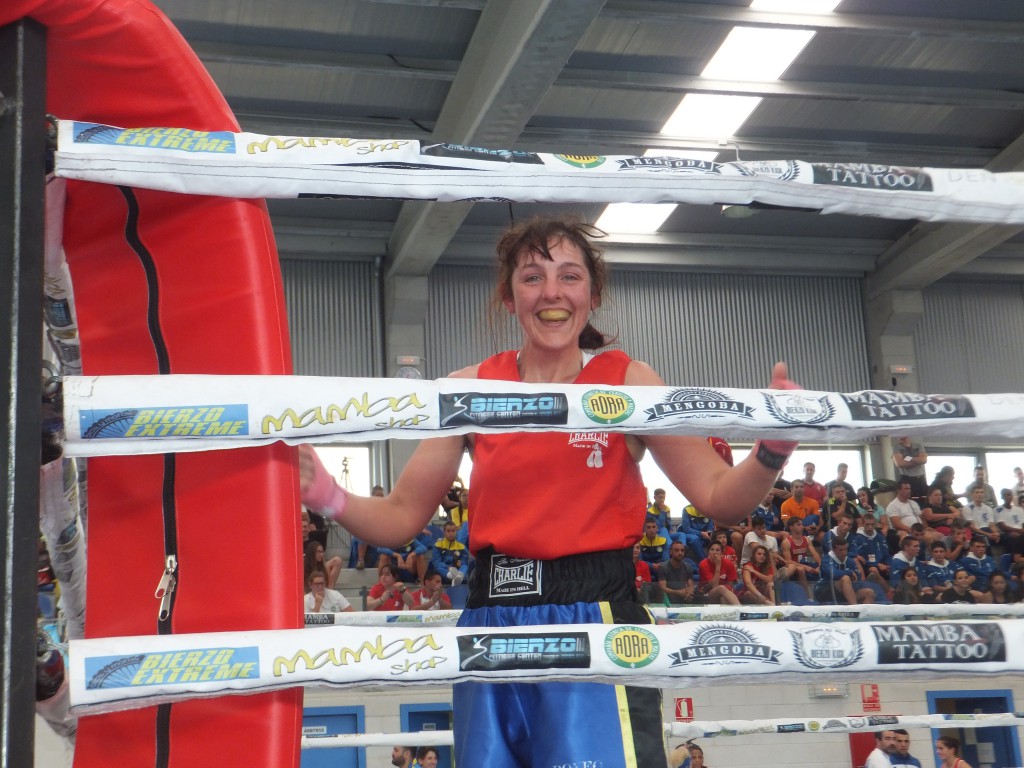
795, 6
710, 116
634, 218
757, 53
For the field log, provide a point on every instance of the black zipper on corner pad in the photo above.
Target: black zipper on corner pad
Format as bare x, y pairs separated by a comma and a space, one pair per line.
165, 591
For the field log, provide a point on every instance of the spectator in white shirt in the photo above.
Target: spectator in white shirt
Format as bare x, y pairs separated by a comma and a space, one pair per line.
319, 599
903, 511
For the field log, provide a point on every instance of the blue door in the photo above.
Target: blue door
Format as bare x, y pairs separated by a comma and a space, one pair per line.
332, 721
981, 747
429, 717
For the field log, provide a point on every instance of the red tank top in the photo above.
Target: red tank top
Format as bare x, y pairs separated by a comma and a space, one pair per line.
548, 494
797, 551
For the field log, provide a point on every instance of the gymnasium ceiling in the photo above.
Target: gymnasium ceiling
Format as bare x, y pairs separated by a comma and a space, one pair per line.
907, 82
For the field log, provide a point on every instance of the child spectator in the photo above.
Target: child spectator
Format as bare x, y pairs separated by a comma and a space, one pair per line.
906, 558
960, 592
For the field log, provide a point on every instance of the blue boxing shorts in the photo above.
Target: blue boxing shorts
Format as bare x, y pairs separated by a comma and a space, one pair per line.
557, 724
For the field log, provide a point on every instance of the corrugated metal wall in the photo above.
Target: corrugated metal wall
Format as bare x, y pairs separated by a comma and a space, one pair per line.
971, 338
712, 330
334, 315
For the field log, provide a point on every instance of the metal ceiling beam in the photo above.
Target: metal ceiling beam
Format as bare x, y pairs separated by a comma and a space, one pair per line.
516, 53
929, 252
444, 70
670, 11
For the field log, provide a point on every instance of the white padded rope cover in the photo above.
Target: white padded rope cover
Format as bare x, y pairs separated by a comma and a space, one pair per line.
254, 165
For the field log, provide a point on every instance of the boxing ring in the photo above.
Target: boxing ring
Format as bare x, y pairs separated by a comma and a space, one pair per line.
161, 391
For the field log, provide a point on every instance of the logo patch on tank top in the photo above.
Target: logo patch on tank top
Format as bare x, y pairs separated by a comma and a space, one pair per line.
596, 442
514, 576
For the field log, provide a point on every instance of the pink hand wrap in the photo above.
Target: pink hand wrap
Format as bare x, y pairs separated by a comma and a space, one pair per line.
324, 495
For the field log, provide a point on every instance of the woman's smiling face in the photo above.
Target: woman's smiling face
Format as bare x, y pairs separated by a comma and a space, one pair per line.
552, 299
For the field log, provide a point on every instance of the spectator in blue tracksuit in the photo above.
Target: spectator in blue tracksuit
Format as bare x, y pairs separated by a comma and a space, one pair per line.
451, 557
695, 531
841, 578
905, 559
938, 573
979, 565
871, 550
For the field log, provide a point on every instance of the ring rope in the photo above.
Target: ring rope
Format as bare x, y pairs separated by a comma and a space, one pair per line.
254, 165
706, 729
686, 613
120, 673
117, 415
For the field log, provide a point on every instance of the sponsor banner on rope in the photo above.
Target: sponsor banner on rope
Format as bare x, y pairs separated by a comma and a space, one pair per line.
882, 178
631, 647
493, 652
259, 166
177, 139
161, 422
205, 665
722, 644
941, 642
388, 656
698, 403
112, 415
827, 647
872, 405
503, 409
607, 406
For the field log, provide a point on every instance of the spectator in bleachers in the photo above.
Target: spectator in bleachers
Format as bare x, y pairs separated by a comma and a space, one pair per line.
459, 514
717, 576
451, 558
812, 488
844, 527
961, 591
937, 514
980, 481
842, 578
801, 559
319, 599
388, 594
313, 560
959, 540
908, 591
910, 458
841, 472
903, 511
938, 572
906, 558
675, 577
759, 535
696, 530
643, 576
659, 512
866, 503
721, 535
1010, 519
654, 548
431, 596
772, 518
759, 577
871, 550
1000, 591
943, 480
411, 560
980, 517
781, 491
979, 565
804, 507
836, 506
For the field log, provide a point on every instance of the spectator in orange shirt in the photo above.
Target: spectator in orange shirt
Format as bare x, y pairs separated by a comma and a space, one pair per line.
804, 507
